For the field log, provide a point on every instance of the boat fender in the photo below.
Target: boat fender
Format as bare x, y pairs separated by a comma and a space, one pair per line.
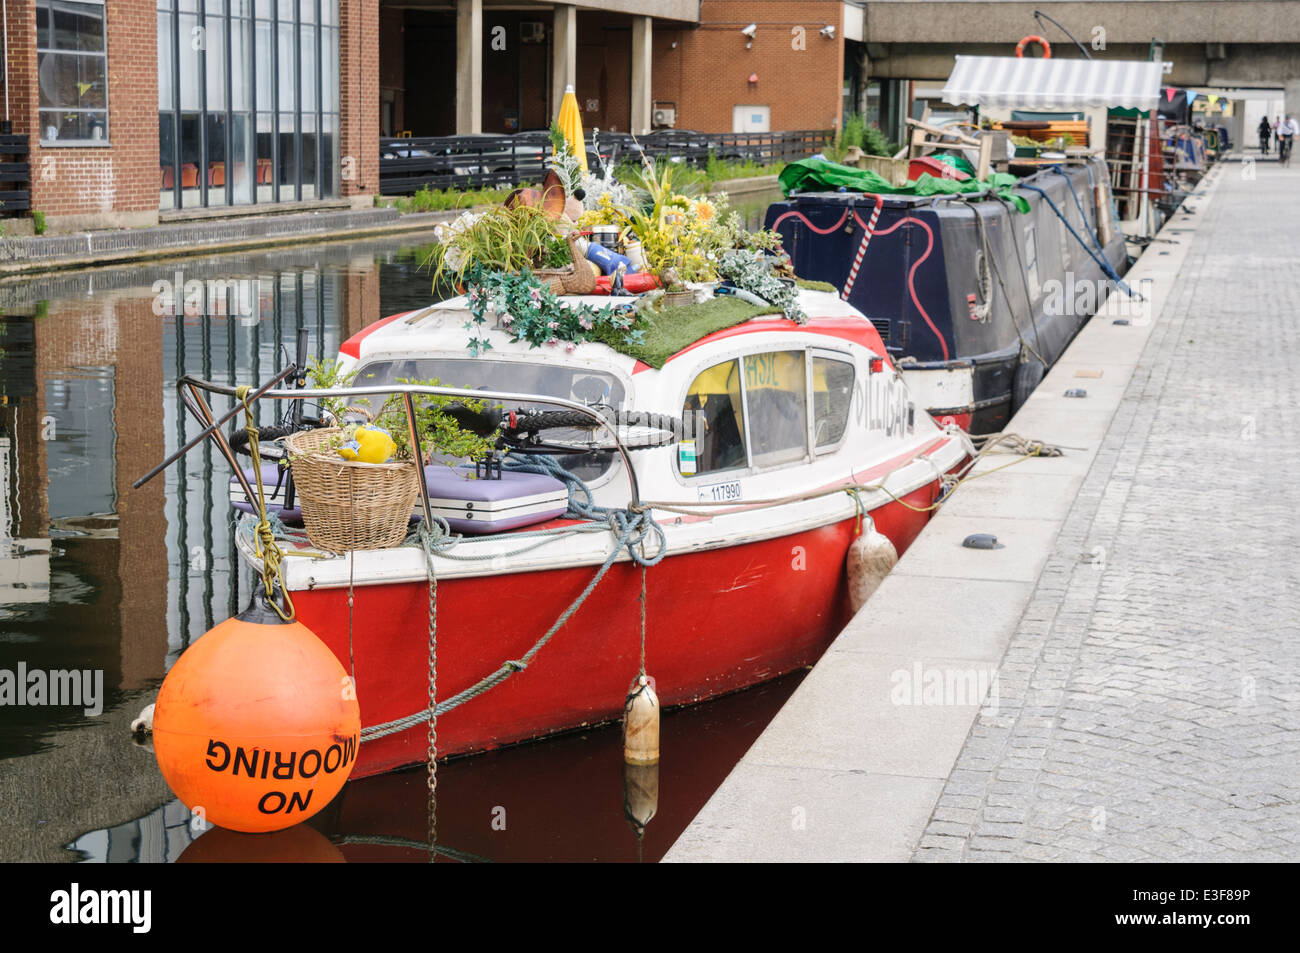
1047, 47
641, 723
870, 558
1029, 374
256, 726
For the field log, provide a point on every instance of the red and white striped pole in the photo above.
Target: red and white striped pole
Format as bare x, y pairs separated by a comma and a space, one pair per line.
862, 248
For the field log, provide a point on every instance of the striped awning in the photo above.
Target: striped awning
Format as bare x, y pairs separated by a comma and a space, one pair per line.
1053, 84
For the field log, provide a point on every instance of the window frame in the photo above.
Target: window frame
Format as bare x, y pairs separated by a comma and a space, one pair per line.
842, 357
615, 467
811, 452
106, 142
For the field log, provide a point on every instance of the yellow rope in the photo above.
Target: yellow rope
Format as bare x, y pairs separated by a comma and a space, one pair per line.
264, 545
1025, 448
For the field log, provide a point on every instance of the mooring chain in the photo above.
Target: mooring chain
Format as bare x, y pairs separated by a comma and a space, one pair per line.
433, 698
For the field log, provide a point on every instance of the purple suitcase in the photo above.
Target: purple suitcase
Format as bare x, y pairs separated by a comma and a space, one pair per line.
492, 506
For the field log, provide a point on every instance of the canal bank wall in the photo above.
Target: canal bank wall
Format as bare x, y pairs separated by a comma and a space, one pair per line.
854, 766
23, 256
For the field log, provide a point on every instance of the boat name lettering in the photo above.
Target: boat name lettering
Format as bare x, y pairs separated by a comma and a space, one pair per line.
882, 401
257, 762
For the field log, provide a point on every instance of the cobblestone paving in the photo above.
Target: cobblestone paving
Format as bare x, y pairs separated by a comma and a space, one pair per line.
1150, 699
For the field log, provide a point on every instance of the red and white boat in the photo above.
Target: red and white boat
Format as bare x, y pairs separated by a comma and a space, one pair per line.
747, 589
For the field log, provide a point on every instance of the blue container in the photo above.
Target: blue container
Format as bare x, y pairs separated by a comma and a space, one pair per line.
609, 260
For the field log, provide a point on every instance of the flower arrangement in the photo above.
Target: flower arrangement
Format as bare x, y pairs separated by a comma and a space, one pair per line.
502, 238
530, 311
682, 237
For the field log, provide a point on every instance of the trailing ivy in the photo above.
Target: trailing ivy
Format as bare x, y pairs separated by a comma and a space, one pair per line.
752, 271
529, 311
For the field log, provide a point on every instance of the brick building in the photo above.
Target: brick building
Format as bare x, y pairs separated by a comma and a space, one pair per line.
138, 111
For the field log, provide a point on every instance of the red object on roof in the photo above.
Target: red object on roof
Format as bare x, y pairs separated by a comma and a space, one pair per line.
928, 164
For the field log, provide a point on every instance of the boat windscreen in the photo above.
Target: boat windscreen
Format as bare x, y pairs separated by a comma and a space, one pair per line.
475, 373
552, 380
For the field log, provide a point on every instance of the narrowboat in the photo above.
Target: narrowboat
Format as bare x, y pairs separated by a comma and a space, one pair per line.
973, 298
795, 438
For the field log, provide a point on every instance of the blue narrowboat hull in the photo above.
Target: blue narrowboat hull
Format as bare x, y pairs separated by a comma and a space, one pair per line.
967, 285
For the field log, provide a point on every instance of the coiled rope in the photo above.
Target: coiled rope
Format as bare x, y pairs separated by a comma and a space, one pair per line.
265, 547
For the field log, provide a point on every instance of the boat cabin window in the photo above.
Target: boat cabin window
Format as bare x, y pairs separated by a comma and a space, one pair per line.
776, 401
552, 380
832, 397
713, 403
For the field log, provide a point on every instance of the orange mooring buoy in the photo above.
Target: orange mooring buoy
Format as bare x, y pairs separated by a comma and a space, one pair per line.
256, 726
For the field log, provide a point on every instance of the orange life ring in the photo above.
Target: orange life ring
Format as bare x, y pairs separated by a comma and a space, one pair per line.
1047, 47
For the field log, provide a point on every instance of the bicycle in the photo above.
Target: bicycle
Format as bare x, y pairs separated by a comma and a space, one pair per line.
1284, 151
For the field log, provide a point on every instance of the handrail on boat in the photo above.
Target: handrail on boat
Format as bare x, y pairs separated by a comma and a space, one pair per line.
190, 389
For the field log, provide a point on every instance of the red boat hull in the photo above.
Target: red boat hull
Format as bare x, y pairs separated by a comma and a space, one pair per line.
716, 621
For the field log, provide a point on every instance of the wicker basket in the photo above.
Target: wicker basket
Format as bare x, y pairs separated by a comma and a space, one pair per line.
574, 279
348, 505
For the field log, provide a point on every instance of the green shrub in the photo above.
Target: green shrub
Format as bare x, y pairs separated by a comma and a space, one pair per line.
38, 221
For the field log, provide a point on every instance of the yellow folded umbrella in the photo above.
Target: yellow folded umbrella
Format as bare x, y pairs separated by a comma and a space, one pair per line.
570, 121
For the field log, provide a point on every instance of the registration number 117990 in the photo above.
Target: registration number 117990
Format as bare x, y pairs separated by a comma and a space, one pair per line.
720, 492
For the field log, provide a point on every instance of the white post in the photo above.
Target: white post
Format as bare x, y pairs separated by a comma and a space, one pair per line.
642, 54
564, 54
469, 67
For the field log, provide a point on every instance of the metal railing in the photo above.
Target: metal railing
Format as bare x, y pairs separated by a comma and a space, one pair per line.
192, 388
15, 176
407, 165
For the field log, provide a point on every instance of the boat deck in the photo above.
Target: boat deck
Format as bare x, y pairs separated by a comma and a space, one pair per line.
1133, 645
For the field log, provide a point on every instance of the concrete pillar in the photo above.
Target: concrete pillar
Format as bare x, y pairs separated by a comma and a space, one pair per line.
564, 54
1292, 93
469, 67
642, 54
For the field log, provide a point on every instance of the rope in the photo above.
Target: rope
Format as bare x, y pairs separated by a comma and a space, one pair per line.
264, 545
1107, 269
634, 520
631, 530
982, 228
1018, 444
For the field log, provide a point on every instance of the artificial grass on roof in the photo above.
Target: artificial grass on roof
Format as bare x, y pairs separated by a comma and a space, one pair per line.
665, 332
810, 285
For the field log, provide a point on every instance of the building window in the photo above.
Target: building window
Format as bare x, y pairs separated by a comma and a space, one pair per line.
72, 66
248, 102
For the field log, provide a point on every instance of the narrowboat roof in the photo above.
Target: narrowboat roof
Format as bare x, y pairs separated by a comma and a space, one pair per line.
441, 328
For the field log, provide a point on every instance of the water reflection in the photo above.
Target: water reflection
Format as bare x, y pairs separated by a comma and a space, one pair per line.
566, 799
97, 575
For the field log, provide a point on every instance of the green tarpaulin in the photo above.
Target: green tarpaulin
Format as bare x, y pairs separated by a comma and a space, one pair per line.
811, 175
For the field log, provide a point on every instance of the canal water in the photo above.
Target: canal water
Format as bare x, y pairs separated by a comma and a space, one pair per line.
95, 575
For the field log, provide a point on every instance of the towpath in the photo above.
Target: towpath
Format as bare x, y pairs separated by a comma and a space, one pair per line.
1137, 641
